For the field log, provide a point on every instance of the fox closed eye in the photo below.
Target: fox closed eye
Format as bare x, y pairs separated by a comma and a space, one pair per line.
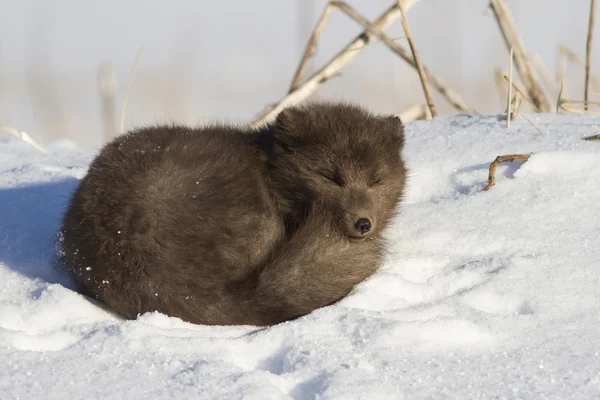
375, 181
334, 178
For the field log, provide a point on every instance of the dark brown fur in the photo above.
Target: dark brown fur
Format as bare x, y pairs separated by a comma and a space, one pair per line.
223, 226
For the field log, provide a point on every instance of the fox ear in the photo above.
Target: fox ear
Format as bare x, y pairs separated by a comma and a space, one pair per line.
397, 128
394, 119
288, 118
289, 125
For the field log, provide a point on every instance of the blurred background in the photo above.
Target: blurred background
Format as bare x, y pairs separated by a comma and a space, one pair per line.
208, 60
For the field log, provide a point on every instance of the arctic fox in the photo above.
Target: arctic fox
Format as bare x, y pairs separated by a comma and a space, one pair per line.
222, 225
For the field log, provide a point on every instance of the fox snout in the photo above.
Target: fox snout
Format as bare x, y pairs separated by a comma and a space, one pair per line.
360, 227
359, 212
363, 226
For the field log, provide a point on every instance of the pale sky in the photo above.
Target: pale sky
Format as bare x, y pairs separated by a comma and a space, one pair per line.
216, 59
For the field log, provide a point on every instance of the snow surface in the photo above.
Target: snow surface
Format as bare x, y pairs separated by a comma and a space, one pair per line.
485, 294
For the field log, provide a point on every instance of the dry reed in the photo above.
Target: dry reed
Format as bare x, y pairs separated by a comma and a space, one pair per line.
513, 39
306, 88
417, 60
24, 136
501, 159
588, 52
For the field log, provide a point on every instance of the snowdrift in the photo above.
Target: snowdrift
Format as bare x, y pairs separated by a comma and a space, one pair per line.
484, 294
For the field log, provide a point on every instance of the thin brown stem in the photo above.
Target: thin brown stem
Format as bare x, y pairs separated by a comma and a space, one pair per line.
561, 70
333, 66
417, 59
517, 101
311, 47
522, 91
437, 83
501, 159
531, 123
500, 87
510, 87
559, 101
588, 52
513, 39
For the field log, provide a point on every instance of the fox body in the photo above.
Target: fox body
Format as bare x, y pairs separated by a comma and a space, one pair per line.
221, 225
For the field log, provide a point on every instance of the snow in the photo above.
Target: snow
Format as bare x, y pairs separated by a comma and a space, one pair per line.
484, 294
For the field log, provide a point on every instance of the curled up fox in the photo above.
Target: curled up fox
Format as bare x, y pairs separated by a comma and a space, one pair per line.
223, 225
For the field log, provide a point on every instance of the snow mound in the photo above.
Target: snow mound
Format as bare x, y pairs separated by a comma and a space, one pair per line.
483, 295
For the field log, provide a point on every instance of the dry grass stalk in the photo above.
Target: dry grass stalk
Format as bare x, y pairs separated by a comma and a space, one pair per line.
562, 85
379, 43
124, 108
417, 59
513, 39
333, 66
449, 94
500, 87
24, 136
414, 113
520, 89
107, 84
311, 47
501, 159
561, 70
531, 123
595, 137
568, 105
588, 52
516, 105
517, 101
510, 86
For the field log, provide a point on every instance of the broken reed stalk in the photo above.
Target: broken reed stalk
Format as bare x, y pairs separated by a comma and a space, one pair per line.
107, 84
531, 123
567, 105
595, 137
510, 86
559, 101
513, 39
517, 86
24, 136
311, 47
517, 101
500, 87
561, 71
449, 94
501, 159
124, 108
417, 60
588, 52
376, 43
414, 113
349, 52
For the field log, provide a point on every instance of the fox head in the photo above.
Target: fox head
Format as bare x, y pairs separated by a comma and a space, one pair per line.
343, 157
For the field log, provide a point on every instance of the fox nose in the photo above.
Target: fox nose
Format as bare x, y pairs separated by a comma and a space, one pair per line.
363, 225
